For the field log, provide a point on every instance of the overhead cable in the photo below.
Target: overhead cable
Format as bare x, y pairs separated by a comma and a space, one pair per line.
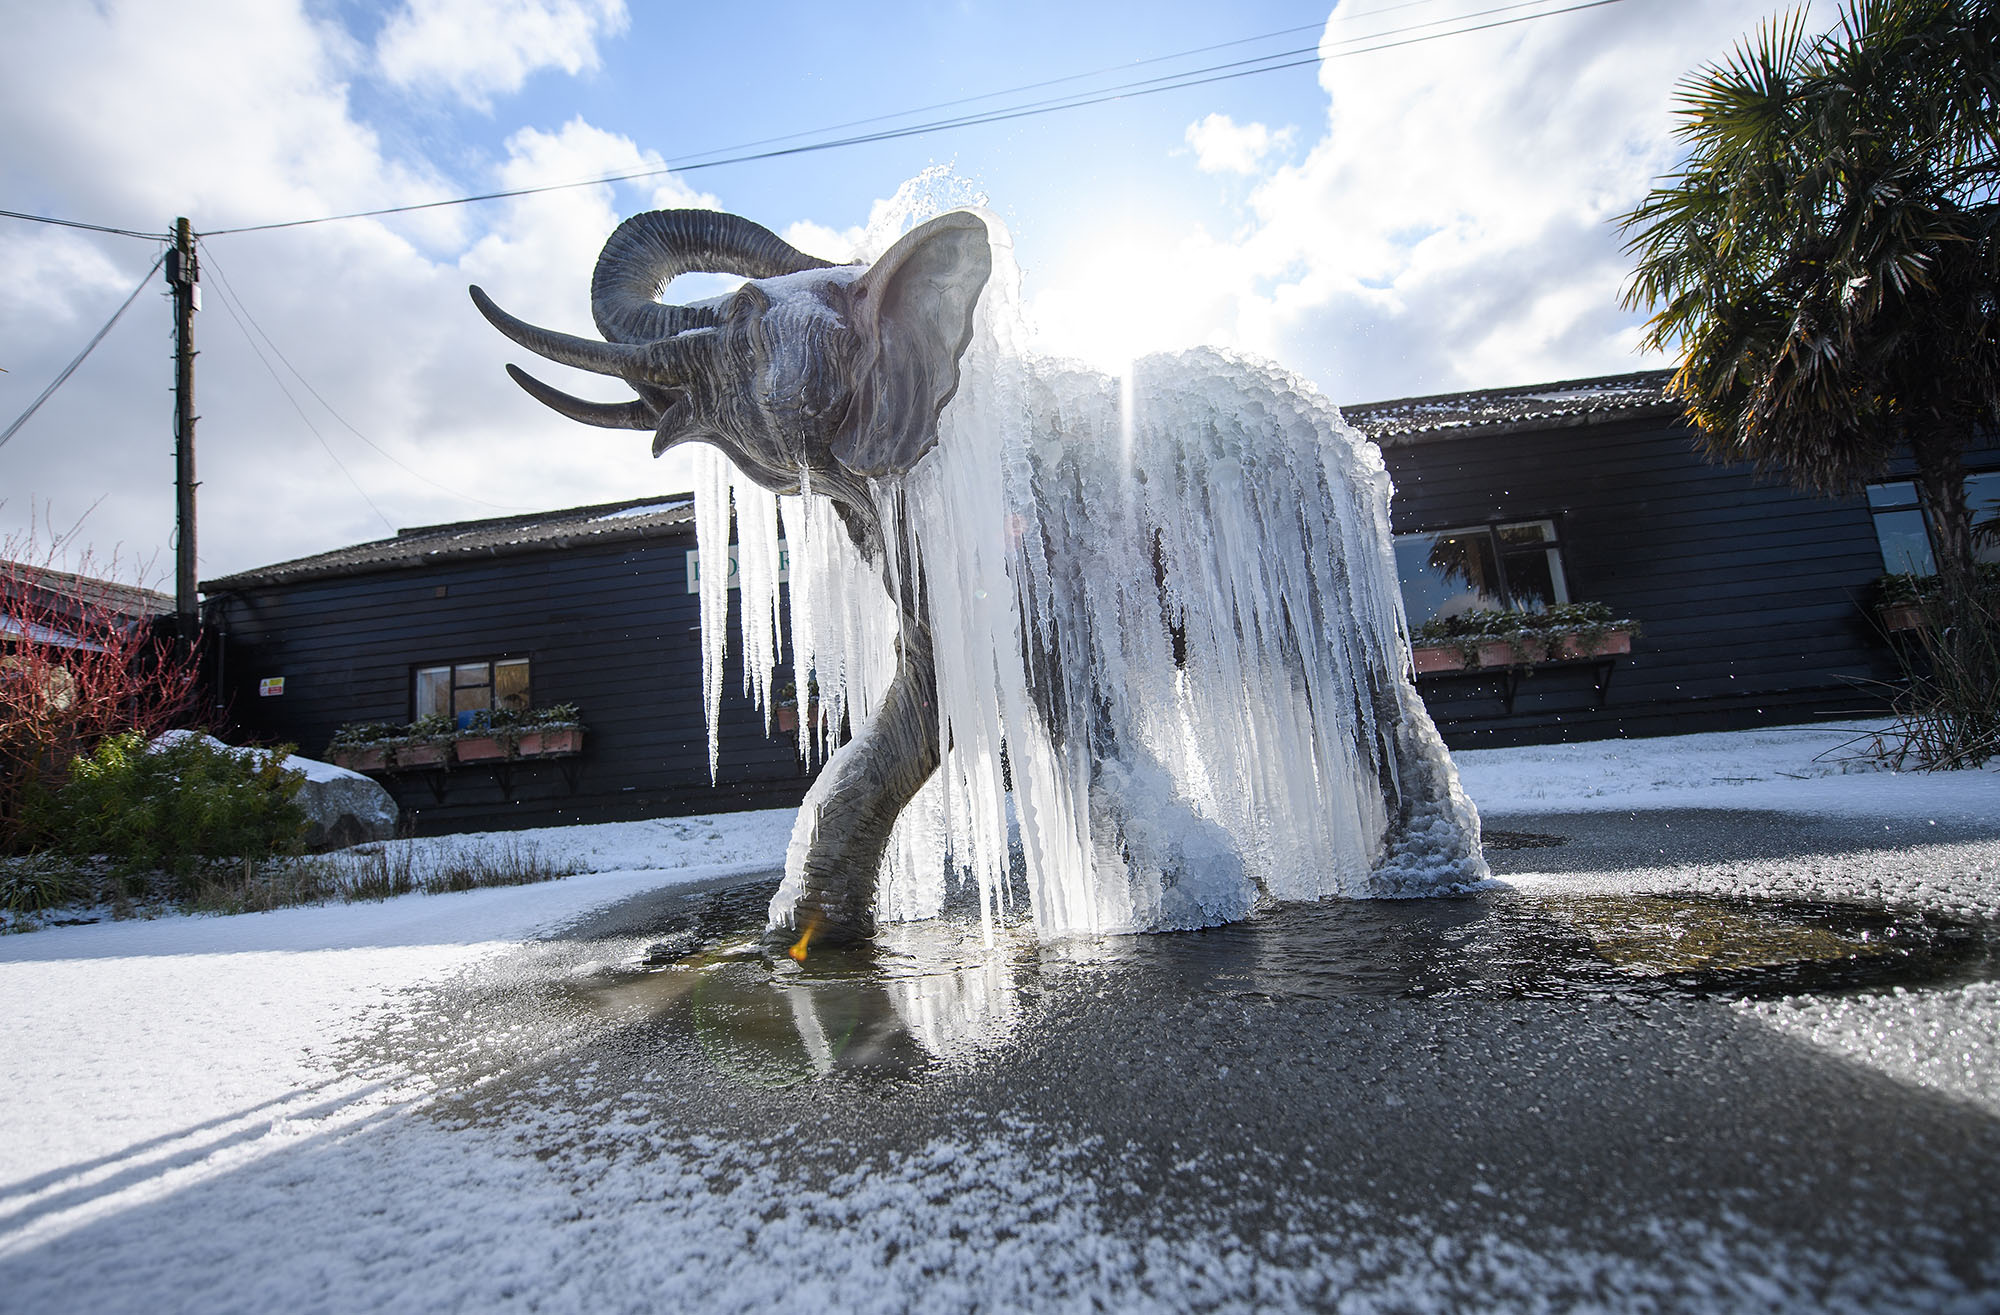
78, 223
311, 428
214, 267
1147, 87
88, 347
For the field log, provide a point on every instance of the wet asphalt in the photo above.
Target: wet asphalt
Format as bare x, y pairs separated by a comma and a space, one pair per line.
1450, 1070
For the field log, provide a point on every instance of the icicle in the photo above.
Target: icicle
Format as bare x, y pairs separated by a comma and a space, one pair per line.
1167, 601
757, 557
712, 472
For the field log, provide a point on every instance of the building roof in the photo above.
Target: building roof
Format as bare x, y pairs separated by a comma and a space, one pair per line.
69, 593
1508, 410
610, 522
1407, 420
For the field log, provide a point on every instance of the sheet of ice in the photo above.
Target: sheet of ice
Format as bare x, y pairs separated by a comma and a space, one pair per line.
177, 1142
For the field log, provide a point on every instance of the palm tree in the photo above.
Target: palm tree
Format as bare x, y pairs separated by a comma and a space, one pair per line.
1824, 263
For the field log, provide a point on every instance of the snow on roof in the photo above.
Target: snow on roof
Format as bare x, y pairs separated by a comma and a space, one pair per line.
422, 545
1510, 410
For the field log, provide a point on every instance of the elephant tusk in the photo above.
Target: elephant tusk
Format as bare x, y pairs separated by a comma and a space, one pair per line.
564, 349
607, 415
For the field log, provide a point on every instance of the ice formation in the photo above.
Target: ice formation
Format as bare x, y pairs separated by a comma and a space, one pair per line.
1172, 672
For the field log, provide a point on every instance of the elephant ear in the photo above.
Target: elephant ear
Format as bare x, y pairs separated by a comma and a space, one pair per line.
912, 312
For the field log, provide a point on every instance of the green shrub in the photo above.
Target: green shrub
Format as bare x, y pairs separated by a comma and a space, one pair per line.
184, 807
30, 885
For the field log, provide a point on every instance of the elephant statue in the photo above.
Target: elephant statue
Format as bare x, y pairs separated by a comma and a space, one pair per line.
810, 376
1213, 703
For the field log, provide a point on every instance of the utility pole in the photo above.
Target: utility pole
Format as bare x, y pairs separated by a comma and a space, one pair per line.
183, 277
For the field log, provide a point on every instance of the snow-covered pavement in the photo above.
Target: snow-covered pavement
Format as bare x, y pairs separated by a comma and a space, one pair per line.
201, 1113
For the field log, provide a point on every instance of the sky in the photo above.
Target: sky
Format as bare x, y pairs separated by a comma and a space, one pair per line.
1390, 222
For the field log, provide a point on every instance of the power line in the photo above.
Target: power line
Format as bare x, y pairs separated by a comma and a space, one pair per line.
78, 223
227, 287
303, 417
1034, 86
88, 347
1147, 87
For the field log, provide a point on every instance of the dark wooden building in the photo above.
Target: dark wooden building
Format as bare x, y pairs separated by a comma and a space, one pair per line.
1753, 599
589, 606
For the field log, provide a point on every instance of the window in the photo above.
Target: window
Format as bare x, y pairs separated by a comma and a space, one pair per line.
1903, 531
1516, 566
460, 689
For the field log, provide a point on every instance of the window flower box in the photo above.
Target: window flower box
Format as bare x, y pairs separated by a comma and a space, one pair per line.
1900, 616
478, 749
1489, 640
539, 744
1574, 648
497, 737
1433, 658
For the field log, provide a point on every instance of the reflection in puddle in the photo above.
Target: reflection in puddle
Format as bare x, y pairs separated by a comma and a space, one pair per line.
935, 991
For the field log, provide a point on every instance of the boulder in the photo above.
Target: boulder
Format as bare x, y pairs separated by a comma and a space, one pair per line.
342, 807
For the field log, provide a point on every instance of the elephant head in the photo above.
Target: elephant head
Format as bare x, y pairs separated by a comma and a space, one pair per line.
807, 373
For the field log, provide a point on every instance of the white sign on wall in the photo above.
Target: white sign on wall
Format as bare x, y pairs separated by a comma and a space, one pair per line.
694, 567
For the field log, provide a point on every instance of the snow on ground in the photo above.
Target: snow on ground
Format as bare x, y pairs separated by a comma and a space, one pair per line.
170, 1099
165, 1050
1825, 769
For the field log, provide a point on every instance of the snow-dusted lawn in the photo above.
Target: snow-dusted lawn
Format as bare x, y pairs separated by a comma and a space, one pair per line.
159, 1051
155, 1062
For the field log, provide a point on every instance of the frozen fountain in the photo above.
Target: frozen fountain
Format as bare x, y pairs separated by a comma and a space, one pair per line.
1133, 644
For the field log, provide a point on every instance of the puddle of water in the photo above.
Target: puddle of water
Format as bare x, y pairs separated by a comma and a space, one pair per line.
935, 991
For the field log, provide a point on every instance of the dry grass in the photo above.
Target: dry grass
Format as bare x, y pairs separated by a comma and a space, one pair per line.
34, 890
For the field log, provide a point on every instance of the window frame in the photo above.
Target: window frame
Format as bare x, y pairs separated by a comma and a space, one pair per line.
1553, 545
451, 668
1914, 503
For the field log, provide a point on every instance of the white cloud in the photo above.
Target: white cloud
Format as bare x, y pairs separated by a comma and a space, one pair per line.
475, 49
373, 312
1449, 229
1221, 145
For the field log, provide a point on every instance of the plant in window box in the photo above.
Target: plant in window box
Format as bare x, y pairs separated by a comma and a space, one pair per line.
425, 742
555, 729
522, 733
1493, 638
785, 707
363, 746
1904, 600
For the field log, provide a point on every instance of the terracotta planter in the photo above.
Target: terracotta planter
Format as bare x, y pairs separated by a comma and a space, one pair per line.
420, 755
369, 758
1573, 647
1434, 658
1498, 653
1901, 616
535, 744
479, 749
786, 716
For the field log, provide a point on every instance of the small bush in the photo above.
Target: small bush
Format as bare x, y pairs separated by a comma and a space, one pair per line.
31, 885
1948, 706
184, 808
